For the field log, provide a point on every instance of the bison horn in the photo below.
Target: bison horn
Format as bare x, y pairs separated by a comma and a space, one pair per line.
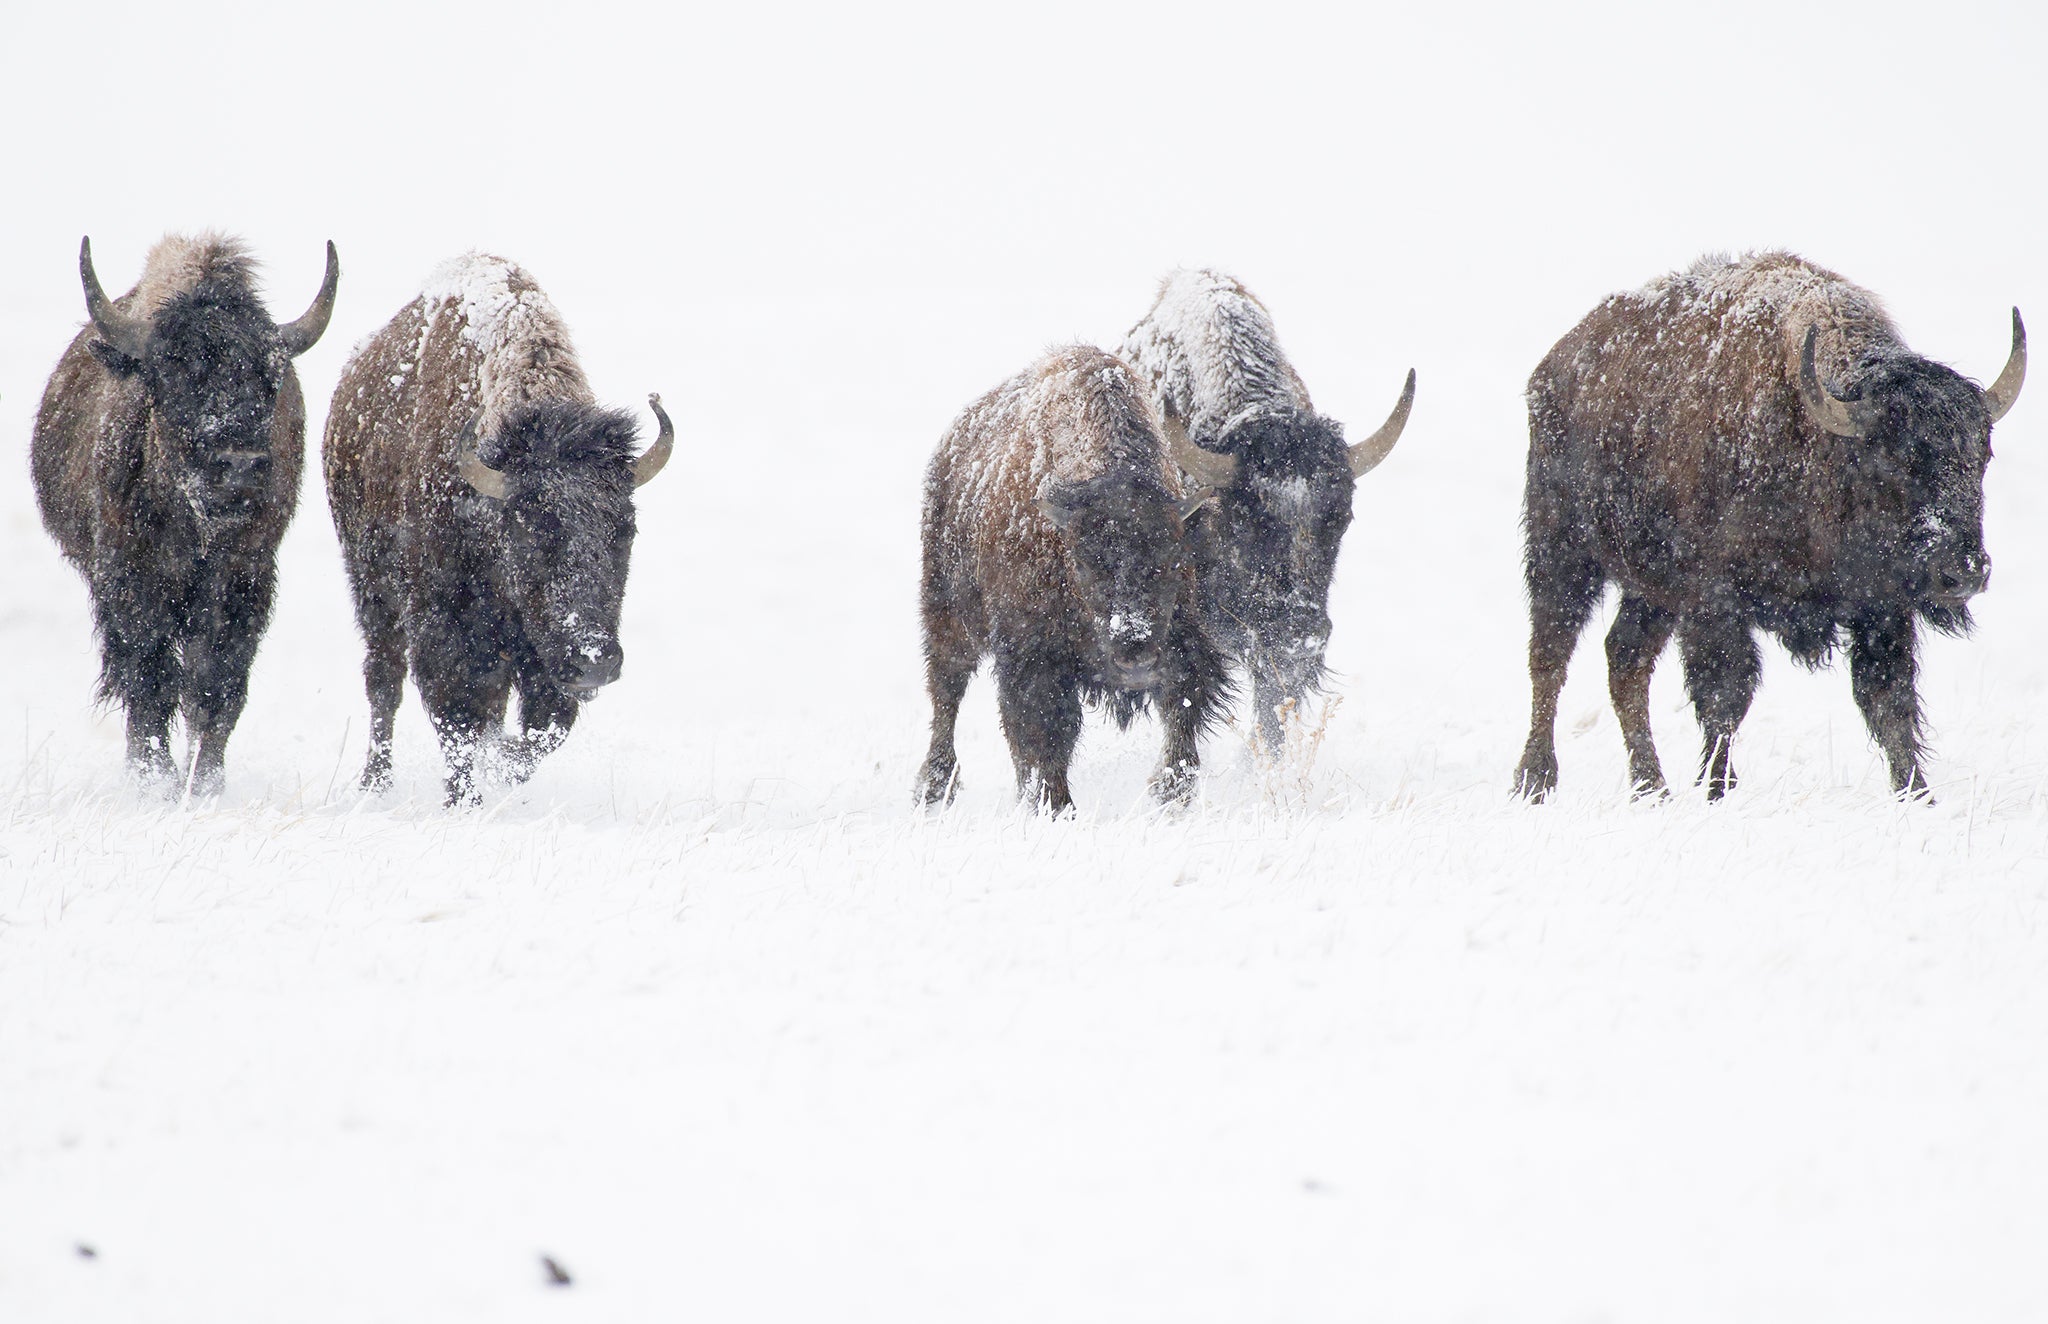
1208, 468
1845, 417
1999, 396
486, 480
124, 333
654, 457
300, 335
1368, 453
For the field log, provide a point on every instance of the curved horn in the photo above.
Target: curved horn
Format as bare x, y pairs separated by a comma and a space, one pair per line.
1999, 396
124, 333
654, 457
300, 335
1208, 468
1844, 418
1368, 453
486, 480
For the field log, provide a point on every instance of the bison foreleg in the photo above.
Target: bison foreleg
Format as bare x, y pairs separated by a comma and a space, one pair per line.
1638, 636
545, 716
1041, 707
1722, 668
1882, 675
219, 648
139, 671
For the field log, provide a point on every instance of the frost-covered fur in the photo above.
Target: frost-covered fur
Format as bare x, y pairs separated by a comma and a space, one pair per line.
1267, 548
480, 596
1670, 452
168, 480
1053, 542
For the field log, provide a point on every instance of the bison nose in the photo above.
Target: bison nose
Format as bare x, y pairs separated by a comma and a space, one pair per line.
1965, 578
598, 665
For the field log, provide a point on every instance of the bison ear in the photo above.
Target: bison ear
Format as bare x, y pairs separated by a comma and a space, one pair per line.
119, 363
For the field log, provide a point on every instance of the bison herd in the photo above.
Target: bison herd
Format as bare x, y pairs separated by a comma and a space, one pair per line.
1746, 445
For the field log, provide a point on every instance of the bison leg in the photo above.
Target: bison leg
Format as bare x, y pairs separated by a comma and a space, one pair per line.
219, 649
139, 671
464, 684
1041, 708
1882, 676
1722, 668
383, 682
546, 713
1561, 596
1634, 643
946, 677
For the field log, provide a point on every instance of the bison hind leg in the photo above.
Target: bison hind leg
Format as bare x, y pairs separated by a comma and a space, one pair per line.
1637, 638
1563, 590
1722, 668
950, 663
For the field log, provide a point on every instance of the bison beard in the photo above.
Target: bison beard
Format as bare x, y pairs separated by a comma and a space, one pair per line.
1052, 540
1749, 445
485, 508
166, 461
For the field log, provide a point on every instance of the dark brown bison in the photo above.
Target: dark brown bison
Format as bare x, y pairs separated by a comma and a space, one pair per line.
485, 506
166, 459
1238, 419
1053, 541
1749, 445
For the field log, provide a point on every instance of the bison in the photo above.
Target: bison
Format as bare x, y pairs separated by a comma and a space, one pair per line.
166, 460
1053, 540
1749, 445
1238, 419
484, 502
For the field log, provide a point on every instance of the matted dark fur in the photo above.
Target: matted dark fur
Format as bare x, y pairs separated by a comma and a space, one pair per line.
480, 595
166, 461
1673, 452
1266, 549
1053, 543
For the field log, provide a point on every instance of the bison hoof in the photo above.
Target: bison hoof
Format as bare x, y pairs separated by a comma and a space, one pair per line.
1536, 779
936, 786
1649, 788
1913, 788
1173, 785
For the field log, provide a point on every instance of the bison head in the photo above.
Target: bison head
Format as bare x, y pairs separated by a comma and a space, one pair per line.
1919, 438
1123, 540
1268, 548
212, 366
560, 477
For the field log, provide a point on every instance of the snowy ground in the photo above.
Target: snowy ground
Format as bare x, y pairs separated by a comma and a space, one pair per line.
708, 1016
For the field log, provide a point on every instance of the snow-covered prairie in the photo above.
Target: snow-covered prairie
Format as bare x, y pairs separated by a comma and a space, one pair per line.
708, 1016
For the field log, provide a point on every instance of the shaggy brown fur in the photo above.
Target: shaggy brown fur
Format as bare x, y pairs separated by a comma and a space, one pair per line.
1053, 541
167, 475
1671, 451
480, 595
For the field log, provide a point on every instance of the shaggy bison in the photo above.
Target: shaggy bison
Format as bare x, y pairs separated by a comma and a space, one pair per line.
484, 502
1053, 541
1239, 420
1749, 445
166, 460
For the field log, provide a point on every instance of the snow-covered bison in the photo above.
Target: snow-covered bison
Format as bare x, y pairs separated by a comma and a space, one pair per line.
1744, 445
1237, 418
1053, 541
166, 459
484, 502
